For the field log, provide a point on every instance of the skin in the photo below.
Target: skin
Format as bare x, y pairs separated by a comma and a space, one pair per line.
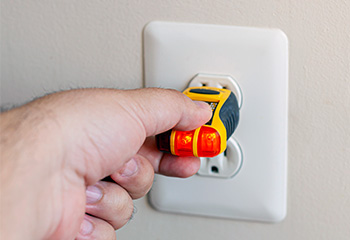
56, 150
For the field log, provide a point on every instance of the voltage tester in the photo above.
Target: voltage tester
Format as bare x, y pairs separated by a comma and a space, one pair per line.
210, 139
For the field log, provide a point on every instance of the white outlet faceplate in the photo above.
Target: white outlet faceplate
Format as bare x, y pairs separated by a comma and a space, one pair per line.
258, 61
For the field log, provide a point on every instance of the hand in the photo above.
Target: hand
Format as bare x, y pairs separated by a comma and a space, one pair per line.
56, 149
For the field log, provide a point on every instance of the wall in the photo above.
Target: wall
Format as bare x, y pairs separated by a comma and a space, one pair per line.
53, 45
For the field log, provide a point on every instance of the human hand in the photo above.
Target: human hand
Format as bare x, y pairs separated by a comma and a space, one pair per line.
56, 149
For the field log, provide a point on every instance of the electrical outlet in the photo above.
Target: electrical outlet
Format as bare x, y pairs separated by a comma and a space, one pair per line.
256, 60
228, 163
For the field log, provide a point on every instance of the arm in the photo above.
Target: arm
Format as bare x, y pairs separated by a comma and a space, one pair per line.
56, 149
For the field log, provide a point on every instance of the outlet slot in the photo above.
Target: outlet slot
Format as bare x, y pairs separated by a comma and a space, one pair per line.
214, 169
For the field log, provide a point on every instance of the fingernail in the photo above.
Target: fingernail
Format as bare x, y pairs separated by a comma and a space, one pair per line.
130, 168
86, 227
93, 194
202, 105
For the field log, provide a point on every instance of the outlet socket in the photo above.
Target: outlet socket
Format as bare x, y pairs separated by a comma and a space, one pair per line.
258, 60
225, 165
218, 81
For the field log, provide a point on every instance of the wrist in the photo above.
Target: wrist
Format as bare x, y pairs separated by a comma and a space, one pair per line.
29, 162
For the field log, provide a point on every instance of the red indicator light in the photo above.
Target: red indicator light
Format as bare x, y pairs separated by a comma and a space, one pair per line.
183, 144
209, 142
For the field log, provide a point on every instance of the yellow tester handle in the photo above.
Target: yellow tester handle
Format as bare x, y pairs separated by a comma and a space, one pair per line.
210, 139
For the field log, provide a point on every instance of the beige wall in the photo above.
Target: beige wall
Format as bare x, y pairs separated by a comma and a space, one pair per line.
53, 45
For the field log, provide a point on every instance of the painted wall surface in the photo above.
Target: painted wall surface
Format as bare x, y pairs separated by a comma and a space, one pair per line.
52, 45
